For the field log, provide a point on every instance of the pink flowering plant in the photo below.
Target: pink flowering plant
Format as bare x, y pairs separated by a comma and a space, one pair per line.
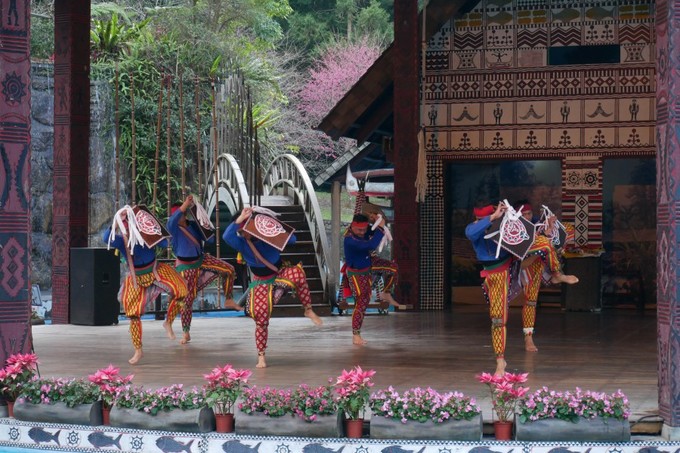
19, 369
570, 406
309, 403
269, 401
506, 392
110, 382
71, 392
163, 399
418, 404
225, 385
352, 389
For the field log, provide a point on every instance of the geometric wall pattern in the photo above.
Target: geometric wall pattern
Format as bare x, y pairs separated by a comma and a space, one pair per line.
531, 80
15, 158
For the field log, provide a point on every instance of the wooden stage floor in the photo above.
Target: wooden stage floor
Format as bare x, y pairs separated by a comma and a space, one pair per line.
614, 349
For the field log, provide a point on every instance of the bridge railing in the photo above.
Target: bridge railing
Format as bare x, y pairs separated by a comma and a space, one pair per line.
231, 185
287, 171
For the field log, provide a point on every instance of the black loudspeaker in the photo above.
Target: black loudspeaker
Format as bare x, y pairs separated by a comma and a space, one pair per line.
95, 280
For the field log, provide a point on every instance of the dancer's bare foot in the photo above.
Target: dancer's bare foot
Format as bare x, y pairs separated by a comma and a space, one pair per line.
261, 363
500, 367
168, 330
561, 278
356, 339
529, 344
388, 297
135, 358
186, 337
313, 316
232, 305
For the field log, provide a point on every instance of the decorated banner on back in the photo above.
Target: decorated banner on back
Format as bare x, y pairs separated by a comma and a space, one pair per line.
557, 234
151, 230
266, 228
512, 232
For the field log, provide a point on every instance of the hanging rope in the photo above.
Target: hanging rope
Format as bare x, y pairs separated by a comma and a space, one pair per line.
421, 177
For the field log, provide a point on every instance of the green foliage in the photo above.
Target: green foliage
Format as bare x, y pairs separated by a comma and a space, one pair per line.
109, 37
72, 392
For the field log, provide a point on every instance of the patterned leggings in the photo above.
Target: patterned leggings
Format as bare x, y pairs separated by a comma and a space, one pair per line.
388, 269
149, 286
545, 263
496, 286
360, 285
199, 278
264, 296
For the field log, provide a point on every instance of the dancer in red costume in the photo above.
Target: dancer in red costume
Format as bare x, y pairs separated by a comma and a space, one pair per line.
501, 275
359, 242
270, 278
147, 278
198, 268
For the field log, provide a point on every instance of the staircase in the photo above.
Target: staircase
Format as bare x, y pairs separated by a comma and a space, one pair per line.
302, 251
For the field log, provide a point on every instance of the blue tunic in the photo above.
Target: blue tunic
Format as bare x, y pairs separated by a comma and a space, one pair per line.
142, 255
183, 246
358, 250
485, 249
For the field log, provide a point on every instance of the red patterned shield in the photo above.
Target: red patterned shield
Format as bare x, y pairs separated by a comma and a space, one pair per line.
150, 228
518, 235
269, 230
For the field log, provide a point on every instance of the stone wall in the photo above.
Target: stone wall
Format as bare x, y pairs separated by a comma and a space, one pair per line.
102, 167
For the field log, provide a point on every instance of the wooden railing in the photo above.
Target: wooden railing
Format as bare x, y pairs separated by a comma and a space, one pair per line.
287, 172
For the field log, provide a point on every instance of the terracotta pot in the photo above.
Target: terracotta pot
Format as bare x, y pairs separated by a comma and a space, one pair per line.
224, 423
106, 415
10, 409
503, 430
354, 429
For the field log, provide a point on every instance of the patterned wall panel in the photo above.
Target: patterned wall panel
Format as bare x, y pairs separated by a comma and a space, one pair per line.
432, 253
516, 87
668, 210
15, 158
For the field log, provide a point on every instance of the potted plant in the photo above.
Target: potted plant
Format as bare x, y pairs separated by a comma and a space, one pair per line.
168, 408
505, 394
110, 382
549, 415
352, 396
18, 370
225, 385
304, 411
59, 400
419, 413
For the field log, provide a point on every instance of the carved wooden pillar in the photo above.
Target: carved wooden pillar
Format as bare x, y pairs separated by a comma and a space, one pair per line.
71, 143
668, 212
406, 101
15, 185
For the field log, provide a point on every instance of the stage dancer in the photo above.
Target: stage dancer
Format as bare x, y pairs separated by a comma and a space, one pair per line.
540, 265
147, 278
198, 268
501, 275
270, 278
359, 242
388, 269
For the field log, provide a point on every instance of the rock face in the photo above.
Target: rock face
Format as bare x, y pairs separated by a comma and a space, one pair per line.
102, 168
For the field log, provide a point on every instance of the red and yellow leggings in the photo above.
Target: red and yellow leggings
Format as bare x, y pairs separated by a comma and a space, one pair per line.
267, 292
359, 282
164, 278
199, 278
388, 269
543, 261
496, 286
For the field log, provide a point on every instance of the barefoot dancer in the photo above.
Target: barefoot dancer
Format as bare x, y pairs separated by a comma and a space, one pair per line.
147, 278
198, 268
541, 260
269, 274
501, 275
359, 242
